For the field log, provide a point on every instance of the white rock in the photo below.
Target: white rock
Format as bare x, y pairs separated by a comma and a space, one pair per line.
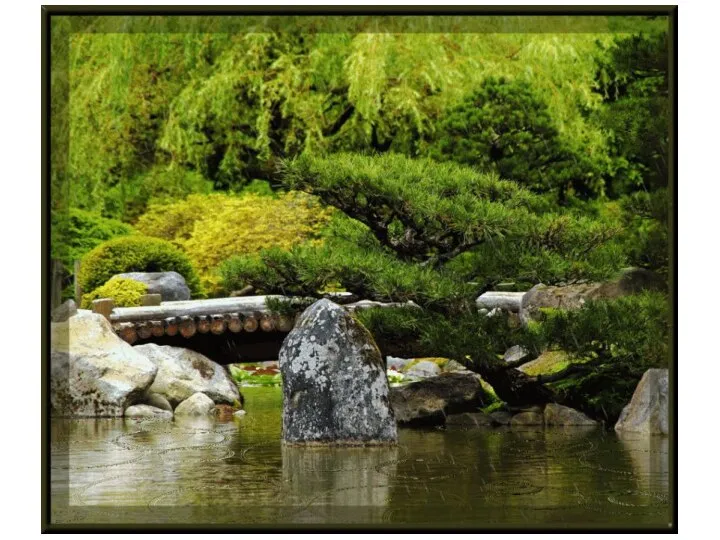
647, 411
423, 369
92, 371
183, 372
396, 363
196, 405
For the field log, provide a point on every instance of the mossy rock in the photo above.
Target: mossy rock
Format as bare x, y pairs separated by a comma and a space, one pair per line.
547, 363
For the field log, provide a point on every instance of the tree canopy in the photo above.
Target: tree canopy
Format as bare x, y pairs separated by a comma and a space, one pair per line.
228, 106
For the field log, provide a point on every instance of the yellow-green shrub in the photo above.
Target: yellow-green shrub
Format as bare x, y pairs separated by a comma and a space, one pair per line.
212, 228
124, 292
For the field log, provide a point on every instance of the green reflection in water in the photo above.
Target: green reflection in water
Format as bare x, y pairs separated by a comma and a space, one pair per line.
204, 471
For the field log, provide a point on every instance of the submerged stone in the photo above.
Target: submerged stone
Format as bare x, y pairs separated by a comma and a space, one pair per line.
559, 415
475, 419
501, 418
335, 389
147, 411
528, 418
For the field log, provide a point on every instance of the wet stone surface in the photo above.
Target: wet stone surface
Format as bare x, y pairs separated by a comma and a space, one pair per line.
334, 382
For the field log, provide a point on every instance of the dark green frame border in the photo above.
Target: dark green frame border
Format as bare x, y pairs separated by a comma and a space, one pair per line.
48, 12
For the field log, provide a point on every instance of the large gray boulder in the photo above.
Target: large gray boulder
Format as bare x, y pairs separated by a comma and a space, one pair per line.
647, 411
183, 372
92, 371
429, 401
170, 285
335, 389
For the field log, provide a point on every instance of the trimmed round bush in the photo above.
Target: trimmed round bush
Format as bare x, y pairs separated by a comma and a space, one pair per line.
124, 292
135, 254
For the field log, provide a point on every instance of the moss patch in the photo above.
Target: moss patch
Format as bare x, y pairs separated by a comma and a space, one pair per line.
490, 395
547, 363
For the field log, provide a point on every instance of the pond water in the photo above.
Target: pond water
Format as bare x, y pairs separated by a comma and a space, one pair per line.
203, 471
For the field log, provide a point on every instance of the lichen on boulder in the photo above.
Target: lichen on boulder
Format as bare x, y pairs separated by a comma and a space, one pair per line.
335, 389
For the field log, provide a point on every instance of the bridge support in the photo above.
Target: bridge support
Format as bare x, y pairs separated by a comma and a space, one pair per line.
216, 324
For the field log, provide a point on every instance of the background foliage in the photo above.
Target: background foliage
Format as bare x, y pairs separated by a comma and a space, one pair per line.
393, 159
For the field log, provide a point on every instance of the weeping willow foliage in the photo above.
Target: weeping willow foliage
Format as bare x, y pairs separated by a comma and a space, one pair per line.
228, 105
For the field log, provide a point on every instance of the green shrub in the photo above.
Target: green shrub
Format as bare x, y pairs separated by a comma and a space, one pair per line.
467, 337
81, 231
371, 274
562, 247
633, 79
124, 292
646, 240
135, 254
506, 126
617, 340
130, 197
613, 341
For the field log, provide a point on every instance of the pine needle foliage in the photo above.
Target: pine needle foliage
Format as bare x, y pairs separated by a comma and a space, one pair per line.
419, 208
